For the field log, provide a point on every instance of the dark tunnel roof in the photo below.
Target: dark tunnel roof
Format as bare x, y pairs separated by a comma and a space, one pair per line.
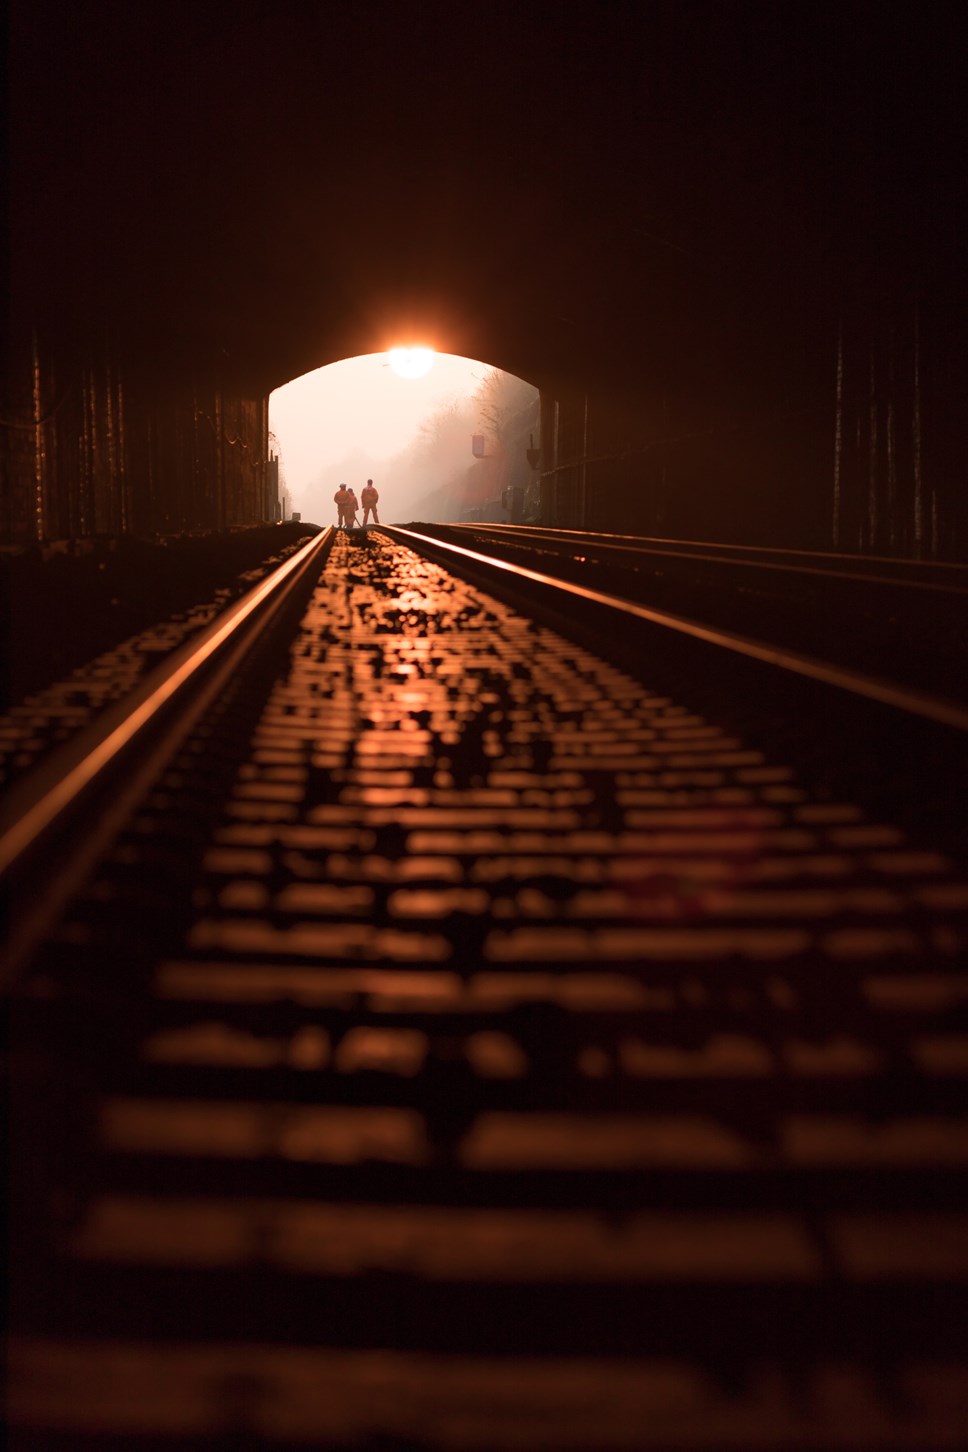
257, 189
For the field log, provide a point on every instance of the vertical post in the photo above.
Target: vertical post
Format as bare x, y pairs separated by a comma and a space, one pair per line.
98, 522
270, 486
583, 476
889, 446
838, 433
549, 456
122, 462
85, 509
916, 436
219, 463
40, 453
114, 493
272, 473
873, 516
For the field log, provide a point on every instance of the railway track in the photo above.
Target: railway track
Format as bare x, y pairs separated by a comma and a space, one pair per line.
904, 619
918, 574
467, 1037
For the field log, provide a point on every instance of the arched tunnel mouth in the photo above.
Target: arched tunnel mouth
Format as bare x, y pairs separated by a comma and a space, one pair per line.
442, 437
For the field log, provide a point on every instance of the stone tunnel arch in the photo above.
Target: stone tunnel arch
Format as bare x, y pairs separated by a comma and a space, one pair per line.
725, 243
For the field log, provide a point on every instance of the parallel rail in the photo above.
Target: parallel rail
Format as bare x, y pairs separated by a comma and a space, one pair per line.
948, 577
905, 621
80, 795
919, 703
879, 736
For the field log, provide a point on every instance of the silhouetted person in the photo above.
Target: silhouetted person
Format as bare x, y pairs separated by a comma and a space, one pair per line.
341, 499
369, 499
350, 508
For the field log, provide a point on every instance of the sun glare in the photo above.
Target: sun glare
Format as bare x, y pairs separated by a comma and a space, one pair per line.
411, 362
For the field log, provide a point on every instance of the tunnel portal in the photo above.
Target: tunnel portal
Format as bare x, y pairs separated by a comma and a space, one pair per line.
725, 244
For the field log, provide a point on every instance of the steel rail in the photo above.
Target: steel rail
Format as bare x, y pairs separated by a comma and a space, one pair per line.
786, 560
885, 693
130, 742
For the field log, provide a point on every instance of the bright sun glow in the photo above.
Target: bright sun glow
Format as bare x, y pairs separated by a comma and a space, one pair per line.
411, 362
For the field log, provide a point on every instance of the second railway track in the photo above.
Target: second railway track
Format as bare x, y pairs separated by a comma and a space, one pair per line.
474, 1039
904, 619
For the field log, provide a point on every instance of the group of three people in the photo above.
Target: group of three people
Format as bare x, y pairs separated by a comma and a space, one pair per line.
346, 505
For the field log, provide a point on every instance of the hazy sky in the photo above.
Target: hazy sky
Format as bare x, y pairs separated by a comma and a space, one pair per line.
359, 403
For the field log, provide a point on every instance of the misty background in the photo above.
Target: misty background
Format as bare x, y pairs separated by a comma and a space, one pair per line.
462, 452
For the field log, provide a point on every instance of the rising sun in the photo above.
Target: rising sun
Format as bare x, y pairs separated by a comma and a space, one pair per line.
411, 362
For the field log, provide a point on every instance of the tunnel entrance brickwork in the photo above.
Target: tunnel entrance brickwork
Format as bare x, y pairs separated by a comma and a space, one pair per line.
729, 250
94, 449
851, 457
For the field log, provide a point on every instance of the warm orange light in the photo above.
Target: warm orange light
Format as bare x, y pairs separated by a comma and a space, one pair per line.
411, 362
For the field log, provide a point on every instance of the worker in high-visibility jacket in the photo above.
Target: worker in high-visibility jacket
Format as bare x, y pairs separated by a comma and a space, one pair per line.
341, 499
369, 498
